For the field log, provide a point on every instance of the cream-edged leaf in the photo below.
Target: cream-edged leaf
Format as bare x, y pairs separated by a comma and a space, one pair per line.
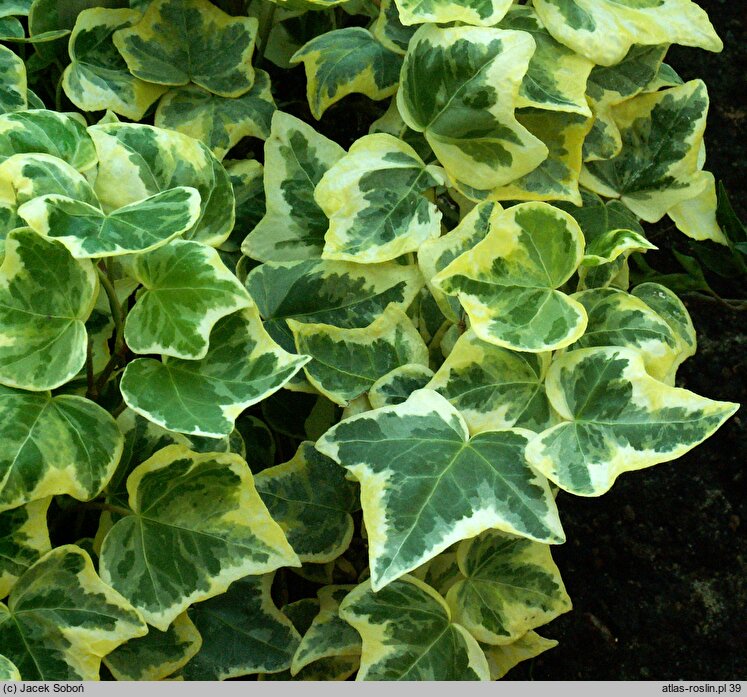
696, 216
397, 385
8, 670
503, 658
12, 82
389, 30
24, 539
483, 13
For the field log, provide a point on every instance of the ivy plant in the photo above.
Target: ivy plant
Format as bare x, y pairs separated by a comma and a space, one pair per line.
309, 309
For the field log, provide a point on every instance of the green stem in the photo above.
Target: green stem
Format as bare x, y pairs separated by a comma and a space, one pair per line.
117, 317
109, 507
92, 392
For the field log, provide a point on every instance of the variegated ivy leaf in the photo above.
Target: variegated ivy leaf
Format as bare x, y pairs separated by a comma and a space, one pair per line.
339, 293
408, 634
696, 216
8, 670
88, 232
507, 283
391, 122
604, 30
243, 365
249, 192
610, 85
511, 585
11, 29
435, 255
12, 82
441, 572
389, 30
661, 136
311, 500
555, 178
54, 445
494, 387
158, 654
616, 418
15, 7
24, 539
197, 525
344, 61
483, 13
619, 319
98, 78
502, 658
346, 362
418, 457
186, 290
556, 78
374, 200
334, 668
219, 122
181, 41
61, 619
45, 298
242, 633
459, 87
296, 157
137, 161
396, 386
50, 132
329, 635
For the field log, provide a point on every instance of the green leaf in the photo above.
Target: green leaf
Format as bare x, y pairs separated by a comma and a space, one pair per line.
604, 30
373, 199
156, 655
242, 633
296, 157
50, 132
511, 585
502, 658
425, 484
8, 671
344, 61
616, 418
54, 445
61, 619
397, 385
15, 7
391, 122
186, 290
24, 539
311, 500
88, 232
507, 283
346, 362
335, 668
45, 298
249, 191
657, 167
97, 77
494, 387
484, 13
137, 161
460, 86
329, 635
10, 29
339, 293
12, 82
181, 41
408, 634
204, 397
217, 121
197, 525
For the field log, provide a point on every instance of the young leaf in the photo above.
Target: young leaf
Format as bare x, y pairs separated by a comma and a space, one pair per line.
408, 634
311, 500
181, 41
97, 77
425, 484
54, 445
219, 122
604, 30
12, 82
346, 362
397, 385
61, 619
243, 365
197, 525
186, 290
24, 539
389, 30
45, 298
484, 13
616, 418
494, 387
507, 283
344, 61
242, 633
511, 585
156, 655
373, 199
296, 157
459, 87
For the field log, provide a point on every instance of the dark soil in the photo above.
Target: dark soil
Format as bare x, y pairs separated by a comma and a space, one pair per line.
657, 567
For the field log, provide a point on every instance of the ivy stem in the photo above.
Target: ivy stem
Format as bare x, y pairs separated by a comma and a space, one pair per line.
92, 391
266, 17
110, 507
116, 309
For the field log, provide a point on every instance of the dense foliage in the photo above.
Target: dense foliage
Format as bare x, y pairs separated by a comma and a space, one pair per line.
293, 410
